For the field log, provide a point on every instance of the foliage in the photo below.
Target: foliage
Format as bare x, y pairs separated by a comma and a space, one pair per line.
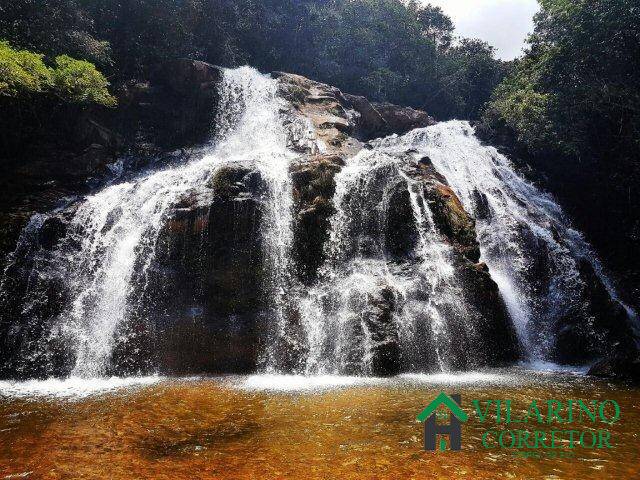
78, 81
435, 25
53, 27
579, 80
385, 49
23, 73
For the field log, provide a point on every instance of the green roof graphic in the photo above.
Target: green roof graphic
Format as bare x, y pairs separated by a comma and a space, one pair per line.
443, 399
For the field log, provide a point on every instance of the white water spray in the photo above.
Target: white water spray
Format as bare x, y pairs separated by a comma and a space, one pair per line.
112, 236
529, 245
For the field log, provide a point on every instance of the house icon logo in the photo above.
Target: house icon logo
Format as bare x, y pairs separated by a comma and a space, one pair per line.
432, 429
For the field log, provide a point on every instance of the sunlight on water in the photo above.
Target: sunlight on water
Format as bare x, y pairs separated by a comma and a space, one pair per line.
301, 383
73, 387
463, 378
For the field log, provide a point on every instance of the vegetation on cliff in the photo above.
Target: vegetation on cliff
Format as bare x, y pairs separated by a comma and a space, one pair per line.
573, 106
384, 49
24, 73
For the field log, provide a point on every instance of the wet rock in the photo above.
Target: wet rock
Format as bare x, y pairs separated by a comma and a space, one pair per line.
325, 107
180, 105
313, 189
449, 215
369, 123
206, 289
52, 230
595, 325
384, 352
401, 234
189, 77
623, 366
400, 120
490, 317
453, 221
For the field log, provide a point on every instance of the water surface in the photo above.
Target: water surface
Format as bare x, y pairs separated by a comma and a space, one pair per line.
287, 427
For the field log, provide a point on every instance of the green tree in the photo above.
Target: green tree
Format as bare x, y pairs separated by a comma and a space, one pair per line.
78, 81
436, 25
22, 72
53, 27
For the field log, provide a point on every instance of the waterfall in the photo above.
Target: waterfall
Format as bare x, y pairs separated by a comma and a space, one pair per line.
428, 305
102, 262
528, 243
397, 291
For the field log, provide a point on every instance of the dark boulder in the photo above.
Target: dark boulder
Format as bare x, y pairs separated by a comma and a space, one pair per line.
313, 189
400, 232
623, 366
400, 120
595, 325
489, 316
369, 123
175, 107
205, 294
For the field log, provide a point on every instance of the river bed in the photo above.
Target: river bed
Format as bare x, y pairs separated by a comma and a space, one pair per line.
272, 427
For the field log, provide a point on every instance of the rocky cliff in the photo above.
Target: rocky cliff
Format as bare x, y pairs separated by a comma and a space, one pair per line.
206, 300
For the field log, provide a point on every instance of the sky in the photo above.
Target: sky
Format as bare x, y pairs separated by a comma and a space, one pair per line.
503, 23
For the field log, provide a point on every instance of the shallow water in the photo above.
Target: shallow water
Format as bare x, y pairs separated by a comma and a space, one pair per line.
288, 427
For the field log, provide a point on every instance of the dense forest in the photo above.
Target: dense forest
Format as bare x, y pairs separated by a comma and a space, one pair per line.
380, 48
569, 108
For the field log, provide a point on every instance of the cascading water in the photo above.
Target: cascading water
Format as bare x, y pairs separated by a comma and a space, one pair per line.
531, 249
103, 260
366, 267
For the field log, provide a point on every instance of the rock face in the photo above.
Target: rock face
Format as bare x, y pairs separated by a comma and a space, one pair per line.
402, 119
205, 289
175, 108
481, 293
386, 357
204, 306
602, 315
622, 366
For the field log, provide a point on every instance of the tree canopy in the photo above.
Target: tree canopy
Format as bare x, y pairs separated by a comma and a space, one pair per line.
579, 79
24, 73
574, 102
402, 52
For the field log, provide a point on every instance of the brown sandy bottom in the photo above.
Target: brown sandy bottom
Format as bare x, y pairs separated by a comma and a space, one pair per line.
221, 429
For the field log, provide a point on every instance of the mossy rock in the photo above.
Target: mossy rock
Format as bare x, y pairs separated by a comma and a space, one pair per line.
225, 181
453, 221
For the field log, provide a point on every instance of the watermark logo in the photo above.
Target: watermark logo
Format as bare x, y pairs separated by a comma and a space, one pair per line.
456, 416
554, 428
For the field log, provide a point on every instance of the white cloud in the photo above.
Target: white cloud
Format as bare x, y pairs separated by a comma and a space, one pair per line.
503, 23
